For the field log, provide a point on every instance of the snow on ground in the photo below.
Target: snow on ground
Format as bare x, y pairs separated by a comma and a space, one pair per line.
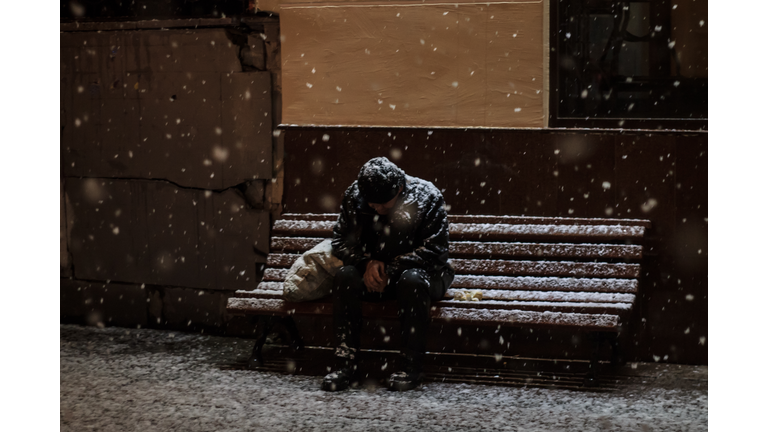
118, 379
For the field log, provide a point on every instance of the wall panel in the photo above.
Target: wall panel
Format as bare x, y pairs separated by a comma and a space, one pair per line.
414, 64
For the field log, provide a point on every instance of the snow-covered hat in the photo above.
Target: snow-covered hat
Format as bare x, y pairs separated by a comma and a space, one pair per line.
379, 180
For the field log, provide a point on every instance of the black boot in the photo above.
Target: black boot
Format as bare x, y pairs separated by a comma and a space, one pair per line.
410, 377
338, 380
341, 378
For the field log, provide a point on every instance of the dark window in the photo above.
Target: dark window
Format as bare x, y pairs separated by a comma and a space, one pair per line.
629, 64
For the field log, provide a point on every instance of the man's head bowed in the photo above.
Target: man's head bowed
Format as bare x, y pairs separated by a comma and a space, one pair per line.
380, 180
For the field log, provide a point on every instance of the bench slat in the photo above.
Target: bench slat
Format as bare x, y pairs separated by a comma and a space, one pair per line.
488, 294
293, 244
598, 308
545, 268
527, 220
272, 306
498, 250
528, 283
558, 233
542, 306
552, 296
540, 220
303, 228
495, 250
261, 292
275, 274
310, 216
281, 260
528, 318
612, 308
489, 232
268, 306
513, 268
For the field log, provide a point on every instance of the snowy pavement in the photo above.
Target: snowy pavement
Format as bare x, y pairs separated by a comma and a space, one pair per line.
118, 379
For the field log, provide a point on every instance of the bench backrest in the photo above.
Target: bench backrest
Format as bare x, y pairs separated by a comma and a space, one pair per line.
568, 264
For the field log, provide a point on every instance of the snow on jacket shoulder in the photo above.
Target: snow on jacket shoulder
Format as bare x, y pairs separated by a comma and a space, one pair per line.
413, 235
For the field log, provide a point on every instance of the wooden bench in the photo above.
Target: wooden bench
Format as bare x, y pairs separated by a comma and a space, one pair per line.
572, 273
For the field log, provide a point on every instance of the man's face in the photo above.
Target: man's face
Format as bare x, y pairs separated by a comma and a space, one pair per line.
383, 209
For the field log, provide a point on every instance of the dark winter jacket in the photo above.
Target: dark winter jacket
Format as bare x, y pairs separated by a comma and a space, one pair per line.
413, 235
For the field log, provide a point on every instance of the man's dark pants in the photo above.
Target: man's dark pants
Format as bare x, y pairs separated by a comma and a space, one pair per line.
414, 290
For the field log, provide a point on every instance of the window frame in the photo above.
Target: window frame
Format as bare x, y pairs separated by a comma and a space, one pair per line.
556, 121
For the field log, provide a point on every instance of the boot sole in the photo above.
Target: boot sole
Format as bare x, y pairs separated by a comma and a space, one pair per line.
334, 387
403, 386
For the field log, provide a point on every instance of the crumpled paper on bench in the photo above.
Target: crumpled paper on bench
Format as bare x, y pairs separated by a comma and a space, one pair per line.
463, 295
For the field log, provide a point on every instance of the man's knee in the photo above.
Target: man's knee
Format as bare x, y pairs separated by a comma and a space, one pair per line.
413, 295
413, 283
348, 272
347, 279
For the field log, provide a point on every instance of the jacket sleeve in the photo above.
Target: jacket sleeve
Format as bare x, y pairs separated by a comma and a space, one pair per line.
346, 242
432, 234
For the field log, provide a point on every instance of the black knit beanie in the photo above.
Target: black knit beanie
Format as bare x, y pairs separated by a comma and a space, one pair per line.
379, 180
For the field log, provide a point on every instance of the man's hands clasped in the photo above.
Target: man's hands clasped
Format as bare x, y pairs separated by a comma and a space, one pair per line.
375, 276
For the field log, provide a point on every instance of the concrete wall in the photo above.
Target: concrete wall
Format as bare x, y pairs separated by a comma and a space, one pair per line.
168, 171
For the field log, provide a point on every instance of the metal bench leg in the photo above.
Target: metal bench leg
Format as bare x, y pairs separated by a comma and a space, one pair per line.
617, 359
297, 343
591, 380
264, 324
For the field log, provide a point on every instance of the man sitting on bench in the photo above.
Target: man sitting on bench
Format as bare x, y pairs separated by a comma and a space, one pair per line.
392, 235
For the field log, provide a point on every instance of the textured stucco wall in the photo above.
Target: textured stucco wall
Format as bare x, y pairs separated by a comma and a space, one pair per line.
167, 167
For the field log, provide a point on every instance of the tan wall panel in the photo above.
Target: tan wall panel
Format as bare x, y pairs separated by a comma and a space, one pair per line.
450, 65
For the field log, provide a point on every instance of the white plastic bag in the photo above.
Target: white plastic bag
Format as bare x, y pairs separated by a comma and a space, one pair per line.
311, 276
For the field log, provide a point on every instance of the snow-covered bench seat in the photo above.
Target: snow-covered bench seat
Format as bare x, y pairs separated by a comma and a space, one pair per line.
578, 273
